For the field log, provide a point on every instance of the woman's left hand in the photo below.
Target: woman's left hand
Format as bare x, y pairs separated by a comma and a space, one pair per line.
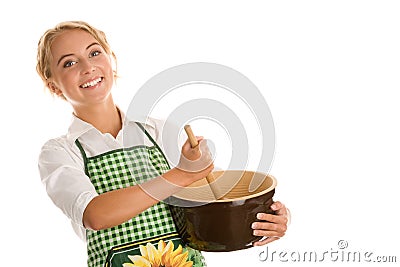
272, 226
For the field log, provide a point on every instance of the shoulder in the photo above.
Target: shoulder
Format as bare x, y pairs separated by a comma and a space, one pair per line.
56, 143
58, 148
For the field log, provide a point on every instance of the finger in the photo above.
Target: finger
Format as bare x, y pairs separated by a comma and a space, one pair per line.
279, 208
265, 241
189, 152
199, 138
279, 219
265, 226
268, 233
205, 151
276, 205
188, 145
200, 143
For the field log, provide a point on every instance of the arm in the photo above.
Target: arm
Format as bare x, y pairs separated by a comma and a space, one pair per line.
115, 207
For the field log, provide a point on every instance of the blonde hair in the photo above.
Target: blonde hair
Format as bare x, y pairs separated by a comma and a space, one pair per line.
44, 56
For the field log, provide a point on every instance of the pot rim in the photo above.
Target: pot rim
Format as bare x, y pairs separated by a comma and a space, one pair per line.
222, 200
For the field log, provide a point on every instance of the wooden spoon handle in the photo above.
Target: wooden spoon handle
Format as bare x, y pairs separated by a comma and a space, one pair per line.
193, 142
192, 138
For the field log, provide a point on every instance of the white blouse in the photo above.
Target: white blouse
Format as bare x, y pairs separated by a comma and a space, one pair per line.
62, 169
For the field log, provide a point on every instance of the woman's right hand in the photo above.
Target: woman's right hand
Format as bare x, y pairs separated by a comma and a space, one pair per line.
196, 162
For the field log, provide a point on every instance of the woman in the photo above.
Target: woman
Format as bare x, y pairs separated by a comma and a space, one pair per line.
86, 173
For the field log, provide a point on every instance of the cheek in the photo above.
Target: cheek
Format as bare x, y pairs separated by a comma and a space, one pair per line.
65, 80
108, 68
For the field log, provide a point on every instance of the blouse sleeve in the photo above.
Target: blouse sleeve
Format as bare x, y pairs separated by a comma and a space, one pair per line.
64, 178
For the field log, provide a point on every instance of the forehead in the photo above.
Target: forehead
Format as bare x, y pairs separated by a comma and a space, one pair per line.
71, 42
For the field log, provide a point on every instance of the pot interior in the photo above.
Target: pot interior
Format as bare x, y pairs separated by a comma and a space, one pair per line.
232, 184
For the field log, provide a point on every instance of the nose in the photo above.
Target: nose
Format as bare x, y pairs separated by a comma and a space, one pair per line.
87, 66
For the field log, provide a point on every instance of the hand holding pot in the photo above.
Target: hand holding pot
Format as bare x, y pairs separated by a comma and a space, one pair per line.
272, 227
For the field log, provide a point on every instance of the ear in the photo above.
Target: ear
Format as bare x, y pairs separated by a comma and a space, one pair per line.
54, 89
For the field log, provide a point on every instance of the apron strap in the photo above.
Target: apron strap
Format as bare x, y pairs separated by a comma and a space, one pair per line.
78, 144
154, 142
84, 156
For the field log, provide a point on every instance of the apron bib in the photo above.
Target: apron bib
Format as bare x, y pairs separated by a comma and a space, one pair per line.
148, 238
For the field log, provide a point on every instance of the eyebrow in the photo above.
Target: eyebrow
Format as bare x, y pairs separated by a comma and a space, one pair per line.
67, 55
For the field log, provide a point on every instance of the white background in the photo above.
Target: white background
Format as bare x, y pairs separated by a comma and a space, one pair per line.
329, 71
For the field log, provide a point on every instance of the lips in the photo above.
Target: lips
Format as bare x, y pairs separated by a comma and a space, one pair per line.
91, 83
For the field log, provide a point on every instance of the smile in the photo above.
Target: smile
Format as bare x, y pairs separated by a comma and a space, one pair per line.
91, 83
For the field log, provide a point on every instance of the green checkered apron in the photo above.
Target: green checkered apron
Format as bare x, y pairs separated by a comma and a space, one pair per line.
122, 168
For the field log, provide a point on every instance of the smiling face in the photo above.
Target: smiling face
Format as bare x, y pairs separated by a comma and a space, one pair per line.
81, 69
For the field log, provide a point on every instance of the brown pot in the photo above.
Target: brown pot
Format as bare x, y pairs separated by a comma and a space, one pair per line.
225, 224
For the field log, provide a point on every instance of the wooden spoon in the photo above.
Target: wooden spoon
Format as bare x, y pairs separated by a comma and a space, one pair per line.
210, 177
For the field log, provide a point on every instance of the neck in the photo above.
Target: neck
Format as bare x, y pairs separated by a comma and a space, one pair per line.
105, 116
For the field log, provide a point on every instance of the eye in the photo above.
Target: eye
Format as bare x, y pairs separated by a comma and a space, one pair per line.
94, 53
69, 63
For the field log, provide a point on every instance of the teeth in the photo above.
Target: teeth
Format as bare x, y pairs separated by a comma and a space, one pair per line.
92, 83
